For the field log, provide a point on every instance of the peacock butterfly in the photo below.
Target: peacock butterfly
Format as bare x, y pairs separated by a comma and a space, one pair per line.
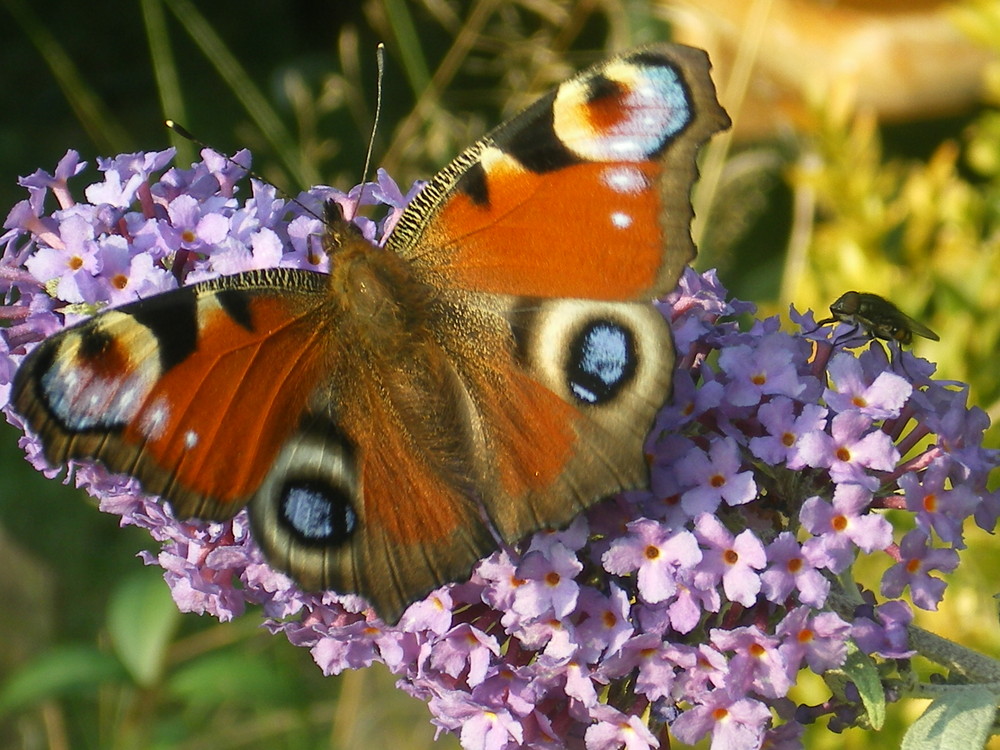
492, 371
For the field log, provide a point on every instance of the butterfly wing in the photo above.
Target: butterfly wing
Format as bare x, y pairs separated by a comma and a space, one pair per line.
561, 225
585, 194
192, 391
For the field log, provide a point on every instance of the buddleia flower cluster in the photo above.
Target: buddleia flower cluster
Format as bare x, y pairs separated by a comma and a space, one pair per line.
689, 609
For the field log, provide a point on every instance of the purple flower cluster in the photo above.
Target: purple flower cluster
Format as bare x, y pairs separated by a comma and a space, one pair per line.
689, 608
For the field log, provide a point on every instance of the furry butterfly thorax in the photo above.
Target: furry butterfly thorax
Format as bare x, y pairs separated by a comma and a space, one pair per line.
493, 370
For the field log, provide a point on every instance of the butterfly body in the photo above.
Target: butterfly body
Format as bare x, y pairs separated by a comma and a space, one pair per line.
493, 370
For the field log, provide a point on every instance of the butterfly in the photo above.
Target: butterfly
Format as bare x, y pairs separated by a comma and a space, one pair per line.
879, 317
491, 371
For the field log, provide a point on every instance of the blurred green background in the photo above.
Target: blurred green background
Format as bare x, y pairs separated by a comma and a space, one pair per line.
852, 165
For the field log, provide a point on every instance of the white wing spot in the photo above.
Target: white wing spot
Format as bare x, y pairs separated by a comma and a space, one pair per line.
621, 220
625, 180
154, 420
128, 397
190, 439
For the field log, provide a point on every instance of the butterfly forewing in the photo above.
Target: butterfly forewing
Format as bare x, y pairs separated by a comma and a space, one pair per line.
192, 391
584, 194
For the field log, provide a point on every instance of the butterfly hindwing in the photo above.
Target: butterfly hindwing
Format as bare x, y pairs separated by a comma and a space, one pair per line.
609, 364
364, 513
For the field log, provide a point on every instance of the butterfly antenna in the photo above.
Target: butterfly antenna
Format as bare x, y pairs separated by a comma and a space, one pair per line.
188, 135
380, 63
184, 133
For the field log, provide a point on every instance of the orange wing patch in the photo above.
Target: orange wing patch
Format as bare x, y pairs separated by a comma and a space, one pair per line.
217, 420
603, 218
532, 429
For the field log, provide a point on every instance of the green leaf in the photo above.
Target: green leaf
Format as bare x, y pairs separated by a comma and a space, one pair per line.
861, 670
141, 622
233, 676
60, 670
408, 40
961, 718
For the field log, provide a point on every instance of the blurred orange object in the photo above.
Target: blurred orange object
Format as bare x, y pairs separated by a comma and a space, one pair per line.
901, 59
